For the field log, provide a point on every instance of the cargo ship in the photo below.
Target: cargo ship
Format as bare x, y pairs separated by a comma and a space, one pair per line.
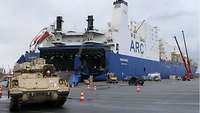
123, 48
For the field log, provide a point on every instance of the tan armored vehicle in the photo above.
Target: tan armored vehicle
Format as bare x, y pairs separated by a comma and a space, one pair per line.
36, 82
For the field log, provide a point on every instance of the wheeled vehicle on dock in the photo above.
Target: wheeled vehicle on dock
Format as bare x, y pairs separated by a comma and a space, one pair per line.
111, 78
135, 81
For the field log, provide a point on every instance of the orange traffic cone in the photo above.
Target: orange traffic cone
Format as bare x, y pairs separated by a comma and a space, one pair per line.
88, 86
95, 88
1, 90
82, 97
138, 88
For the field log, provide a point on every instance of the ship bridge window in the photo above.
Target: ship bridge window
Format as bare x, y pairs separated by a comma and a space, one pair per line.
117, 5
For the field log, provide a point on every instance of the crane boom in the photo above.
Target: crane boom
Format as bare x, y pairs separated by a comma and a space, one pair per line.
184, 62
187, 74
136, 30
39, 38
188, 60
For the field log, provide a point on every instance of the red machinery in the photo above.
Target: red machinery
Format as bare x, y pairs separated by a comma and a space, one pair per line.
43, 34
188, 70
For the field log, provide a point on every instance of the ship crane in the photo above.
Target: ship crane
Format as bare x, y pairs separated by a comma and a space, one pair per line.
188, 74
137, 29
39, 38
47, 33
188, 60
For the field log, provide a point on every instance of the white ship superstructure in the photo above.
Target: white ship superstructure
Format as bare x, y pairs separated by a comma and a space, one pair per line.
121, 36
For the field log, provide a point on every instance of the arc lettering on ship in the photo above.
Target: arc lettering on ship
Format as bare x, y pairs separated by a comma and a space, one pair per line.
137, 47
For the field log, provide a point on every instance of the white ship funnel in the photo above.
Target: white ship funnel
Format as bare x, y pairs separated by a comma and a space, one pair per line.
120, 15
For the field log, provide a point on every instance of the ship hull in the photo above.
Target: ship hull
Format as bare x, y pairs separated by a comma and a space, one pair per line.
127, 66
123, 66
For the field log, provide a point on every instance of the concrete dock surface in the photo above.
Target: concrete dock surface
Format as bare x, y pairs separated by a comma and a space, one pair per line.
167, 96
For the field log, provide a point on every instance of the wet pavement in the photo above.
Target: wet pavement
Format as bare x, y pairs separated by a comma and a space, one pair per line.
167, 96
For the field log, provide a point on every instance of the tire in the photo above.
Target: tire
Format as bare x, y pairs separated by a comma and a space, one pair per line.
130, 83
61, 101
15, 104
142, 83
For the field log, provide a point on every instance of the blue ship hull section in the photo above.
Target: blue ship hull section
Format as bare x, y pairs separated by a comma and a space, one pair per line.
138, 67
28, 57
131, 66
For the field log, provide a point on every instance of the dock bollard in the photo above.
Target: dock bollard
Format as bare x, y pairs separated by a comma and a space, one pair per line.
82, 97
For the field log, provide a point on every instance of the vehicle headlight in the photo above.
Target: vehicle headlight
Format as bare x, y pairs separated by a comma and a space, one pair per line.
62, 82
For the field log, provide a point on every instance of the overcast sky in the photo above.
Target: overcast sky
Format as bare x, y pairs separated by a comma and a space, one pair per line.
21, 20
